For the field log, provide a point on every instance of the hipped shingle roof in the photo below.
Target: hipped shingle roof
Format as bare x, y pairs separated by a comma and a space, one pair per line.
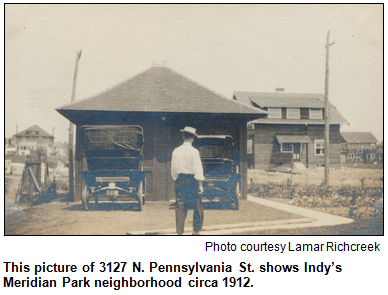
160, 89
35, 128
362, 137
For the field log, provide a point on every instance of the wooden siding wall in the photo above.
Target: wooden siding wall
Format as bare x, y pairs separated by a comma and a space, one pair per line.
78, 179
160, 162
336, 140
267, 152
243, 160
267, 148
147, 160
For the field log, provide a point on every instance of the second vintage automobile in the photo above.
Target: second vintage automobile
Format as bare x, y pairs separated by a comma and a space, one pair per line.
222, 177
113, 169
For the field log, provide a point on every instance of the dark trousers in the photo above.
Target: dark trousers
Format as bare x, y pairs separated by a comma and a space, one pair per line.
187, 197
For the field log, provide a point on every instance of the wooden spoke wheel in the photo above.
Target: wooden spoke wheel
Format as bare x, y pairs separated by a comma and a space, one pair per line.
237, 195
85, 201
140, 195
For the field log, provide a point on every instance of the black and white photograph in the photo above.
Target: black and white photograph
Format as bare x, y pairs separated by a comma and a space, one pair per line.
193, 119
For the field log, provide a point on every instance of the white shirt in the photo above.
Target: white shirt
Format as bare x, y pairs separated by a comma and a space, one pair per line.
185, 159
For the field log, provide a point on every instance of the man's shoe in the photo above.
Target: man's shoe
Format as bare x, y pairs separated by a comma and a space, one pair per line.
196, 233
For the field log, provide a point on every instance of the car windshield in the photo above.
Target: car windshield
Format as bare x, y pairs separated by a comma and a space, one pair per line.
113, 137
214, 146
212, 152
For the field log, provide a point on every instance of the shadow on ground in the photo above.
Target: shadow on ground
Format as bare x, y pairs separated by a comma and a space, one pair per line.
212, 206
105, 207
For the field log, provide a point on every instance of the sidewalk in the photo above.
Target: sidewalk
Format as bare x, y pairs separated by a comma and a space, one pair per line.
313, 219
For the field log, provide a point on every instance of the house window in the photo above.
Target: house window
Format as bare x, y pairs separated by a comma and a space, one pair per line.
315, 113
359, 151
344, 146
370, 156
319, 147
275, 113
293, 113
286, 147
350, 156
249, 146
372, 145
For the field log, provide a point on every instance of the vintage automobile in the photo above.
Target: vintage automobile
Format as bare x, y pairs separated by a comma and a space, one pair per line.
113, 169
222, 178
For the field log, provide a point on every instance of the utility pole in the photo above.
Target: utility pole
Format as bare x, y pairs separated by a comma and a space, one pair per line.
71, 130
327, 111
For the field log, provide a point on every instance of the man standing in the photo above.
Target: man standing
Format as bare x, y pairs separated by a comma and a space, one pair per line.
187, 171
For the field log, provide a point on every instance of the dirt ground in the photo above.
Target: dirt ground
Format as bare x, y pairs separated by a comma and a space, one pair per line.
58, 218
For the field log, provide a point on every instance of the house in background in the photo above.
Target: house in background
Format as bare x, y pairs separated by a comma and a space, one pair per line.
60, 149
359, 147
292, 135
380, 152
10, 147
250, 134
32, 138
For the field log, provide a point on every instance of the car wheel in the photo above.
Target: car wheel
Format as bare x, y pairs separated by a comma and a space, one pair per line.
84, 199
140, 195
237, 195
144, 190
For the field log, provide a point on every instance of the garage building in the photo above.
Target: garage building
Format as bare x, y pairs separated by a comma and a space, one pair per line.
162, 102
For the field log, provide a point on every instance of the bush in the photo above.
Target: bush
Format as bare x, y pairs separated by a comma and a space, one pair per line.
354, 198
62, 185
16, 158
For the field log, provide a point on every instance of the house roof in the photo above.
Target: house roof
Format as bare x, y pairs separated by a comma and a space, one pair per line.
160, 89
296, 100
355, 137
31, 132
293, 138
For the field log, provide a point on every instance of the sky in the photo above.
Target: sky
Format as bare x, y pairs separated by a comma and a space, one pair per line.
226, 48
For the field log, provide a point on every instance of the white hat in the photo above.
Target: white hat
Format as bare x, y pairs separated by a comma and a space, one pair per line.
190, 130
